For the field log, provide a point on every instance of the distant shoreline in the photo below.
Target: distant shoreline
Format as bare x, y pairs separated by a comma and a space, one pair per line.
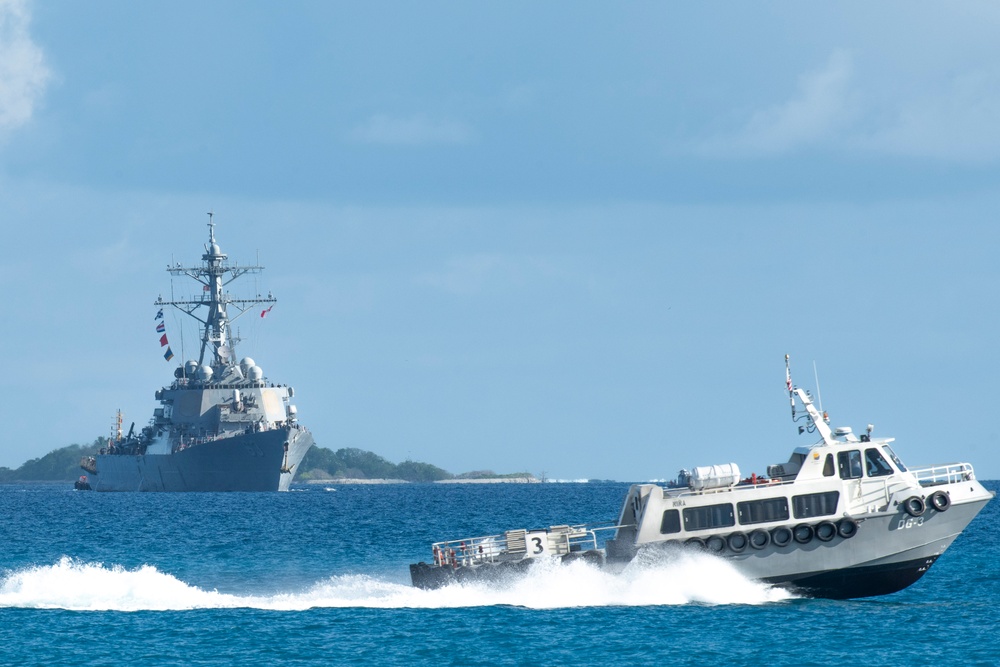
483, 480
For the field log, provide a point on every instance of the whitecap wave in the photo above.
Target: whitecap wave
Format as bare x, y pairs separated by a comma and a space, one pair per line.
675, 579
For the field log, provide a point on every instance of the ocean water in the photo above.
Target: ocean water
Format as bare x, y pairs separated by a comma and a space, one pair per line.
319, 576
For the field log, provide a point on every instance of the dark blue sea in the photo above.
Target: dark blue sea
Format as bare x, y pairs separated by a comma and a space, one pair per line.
318, 576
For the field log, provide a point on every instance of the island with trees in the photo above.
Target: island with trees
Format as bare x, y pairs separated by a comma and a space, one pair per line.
319, 465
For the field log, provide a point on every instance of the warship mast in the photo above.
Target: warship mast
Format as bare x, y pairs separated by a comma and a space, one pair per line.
217, 341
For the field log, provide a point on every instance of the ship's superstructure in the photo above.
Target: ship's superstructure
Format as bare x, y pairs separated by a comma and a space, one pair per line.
221, 424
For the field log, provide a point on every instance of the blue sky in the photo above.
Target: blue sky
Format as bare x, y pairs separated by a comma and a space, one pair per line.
576, 238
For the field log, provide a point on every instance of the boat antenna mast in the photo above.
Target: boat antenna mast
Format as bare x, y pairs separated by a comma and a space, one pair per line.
217, 342
815, 421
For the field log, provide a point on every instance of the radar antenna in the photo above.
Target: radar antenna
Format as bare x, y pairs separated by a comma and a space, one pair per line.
218, 344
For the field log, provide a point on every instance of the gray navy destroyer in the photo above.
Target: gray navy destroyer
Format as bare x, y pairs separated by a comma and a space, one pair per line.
221, 424
842, 518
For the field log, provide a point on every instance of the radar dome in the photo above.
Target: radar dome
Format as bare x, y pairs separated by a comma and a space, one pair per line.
246, 363
204, 373
190, 367
256, 373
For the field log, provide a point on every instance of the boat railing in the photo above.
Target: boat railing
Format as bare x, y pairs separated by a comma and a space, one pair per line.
515, 545
948, 473
761, 483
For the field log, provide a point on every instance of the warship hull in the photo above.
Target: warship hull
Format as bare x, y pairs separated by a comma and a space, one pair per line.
245, 462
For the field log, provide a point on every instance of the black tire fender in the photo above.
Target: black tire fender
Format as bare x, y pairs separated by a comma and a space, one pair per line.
825, 531
781, 536
695, 543
759, 539
803, 533
737, 542
940, 501
914, 506
715, 544
847, 528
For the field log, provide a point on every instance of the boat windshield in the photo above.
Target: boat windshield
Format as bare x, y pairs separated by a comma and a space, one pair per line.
876, 464
895, 459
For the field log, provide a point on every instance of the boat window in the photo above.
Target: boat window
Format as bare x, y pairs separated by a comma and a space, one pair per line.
671, 522
762, 511
876, 464
849, 464
828, 469
712, 516
895, 459
815, 504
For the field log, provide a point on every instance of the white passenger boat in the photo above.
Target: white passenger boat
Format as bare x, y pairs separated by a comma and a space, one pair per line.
842, 518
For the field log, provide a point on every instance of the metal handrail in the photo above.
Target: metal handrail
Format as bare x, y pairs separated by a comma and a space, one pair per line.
683, 491
511, 545
946, 473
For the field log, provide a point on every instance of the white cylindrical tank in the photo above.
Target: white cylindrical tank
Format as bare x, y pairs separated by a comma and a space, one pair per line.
714, 477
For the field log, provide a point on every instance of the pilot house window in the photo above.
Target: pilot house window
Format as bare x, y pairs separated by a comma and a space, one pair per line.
876, 464
849, 464
712, 516
895, 459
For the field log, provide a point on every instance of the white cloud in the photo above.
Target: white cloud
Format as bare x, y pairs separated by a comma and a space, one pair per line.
844, 109
822, 105
23, 72
956, 120
412, 131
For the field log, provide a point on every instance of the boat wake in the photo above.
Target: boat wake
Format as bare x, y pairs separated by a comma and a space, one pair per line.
674, 580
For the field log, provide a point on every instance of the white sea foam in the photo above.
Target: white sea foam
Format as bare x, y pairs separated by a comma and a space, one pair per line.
674, 579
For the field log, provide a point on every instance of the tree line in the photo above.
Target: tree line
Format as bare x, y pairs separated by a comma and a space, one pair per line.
319, 463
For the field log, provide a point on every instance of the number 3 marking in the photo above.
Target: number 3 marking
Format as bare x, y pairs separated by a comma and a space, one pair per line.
538, 545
